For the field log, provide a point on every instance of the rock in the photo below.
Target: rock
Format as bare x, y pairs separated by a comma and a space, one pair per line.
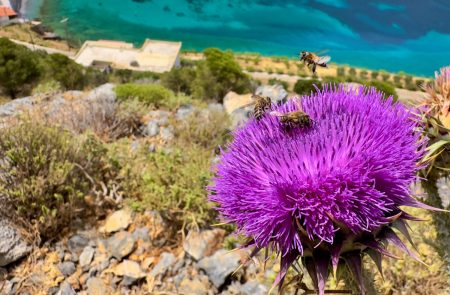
77, 243
166, 260
233, 101
121, 245
67, 268
52, 290
161, 117
12, 244
130, 269
86, 256
216, 107
202, 244
96, 286
167, 133
117, 221
145, 264
194, 287
277, 93
15, 107
184, 112
220, 265
240, 116
66, 289
103, 92
254, 288
151, 129
142, 233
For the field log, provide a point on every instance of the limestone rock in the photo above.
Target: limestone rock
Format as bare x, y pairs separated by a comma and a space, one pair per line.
86, 256
119, 220
165, 262
277, 93
194, 287
233, 101
130, 269
96, 286
67, 268
77, 243
121, 245
12, 244
220, 265
202, 244
66, 289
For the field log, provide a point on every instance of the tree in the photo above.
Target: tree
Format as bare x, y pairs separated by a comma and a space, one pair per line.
19, 68
179, 80
66, 71
227, 72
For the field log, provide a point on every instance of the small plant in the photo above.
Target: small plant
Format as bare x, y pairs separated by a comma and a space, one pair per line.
364, 74
47, 172
385, 76
374, 75
306, 86
151, 95
352, 72
340, 71
384, 87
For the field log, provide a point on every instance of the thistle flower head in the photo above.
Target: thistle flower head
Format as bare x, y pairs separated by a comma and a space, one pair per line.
326, 191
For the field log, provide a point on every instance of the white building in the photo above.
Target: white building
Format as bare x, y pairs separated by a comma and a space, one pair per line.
154, 56
7, 14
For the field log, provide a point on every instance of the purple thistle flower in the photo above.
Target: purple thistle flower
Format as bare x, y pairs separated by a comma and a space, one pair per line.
323, 192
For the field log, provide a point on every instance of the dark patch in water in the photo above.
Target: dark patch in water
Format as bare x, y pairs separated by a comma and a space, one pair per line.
180, 14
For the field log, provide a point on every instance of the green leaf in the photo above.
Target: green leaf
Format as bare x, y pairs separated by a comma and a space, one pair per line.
435, 149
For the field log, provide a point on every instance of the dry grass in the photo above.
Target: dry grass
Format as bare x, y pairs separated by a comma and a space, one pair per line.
23, 32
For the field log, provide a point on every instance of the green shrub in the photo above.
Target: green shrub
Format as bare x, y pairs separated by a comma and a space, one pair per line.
46, 172
385, 76
352, 72
227, 72
179, 80
274, 81
374, 75
420, 83
280, 71
19, 68
384, 87
333, 80
340, 71
306, 86
64, 70
50, 86
151, 95
174, 181
363, 74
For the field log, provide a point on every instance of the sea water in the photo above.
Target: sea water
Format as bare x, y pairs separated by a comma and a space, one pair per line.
412, 37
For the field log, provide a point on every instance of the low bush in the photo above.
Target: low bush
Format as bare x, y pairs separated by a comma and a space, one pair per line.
306, 86
387, 88
46, 172
275, 81
151, 95
173, 179
340, 71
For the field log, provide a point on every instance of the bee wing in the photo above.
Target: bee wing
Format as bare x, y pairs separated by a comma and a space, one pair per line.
275, 113
323, 59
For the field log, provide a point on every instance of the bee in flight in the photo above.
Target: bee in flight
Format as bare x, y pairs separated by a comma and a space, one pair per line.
313, 60
294, 119
262, 105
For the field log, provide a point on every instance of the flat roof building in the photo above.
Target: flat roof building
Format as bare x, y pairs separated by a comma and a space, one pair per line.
154, 55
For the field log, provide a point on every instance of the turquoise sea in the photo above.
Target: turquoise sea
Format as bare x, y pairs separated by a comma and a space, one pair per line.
411, 36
